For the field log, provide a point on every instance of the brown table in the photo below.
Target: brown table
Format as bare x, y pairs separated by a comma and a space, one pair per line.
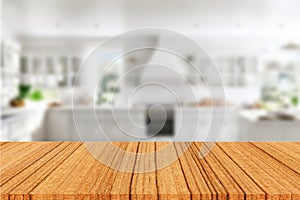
57, 170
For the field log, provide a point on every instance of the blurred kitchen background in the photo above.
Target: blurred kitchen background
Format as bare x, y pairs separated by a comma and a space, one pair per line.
254, 44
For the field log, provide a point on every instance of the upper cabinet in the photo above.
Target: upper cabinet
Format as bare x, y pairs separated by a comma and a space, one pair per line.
10, 67
50, 71
234, 70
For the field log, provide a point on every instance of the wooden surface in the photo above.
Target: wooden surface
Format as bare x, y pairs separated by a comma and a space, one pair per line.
66, 170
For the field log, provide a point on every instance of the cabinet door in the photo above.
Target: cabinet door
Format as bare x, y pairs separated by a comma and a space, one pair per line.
62, 127
293, 133
122, 130
25, 126
120, 126
262, 130
74, 133
20, 130
230, 131
191, 126
4, 132
58, 125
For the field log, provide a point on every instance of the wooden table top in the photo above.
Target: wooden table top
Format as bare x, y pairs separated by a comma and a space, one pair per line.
57, 170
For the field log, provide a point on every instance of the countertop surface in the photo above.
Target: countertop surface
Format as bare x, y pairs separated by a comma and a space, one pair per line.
150, 170
254, 116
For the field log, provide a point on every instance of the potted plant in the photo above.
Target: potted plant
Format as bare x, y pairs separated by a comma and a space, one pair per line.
19, 101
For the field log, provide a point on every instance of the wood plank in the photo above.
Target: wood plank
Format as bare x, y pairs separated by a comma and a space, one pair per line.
13, 151
288, 158
150, 170
25, 174
197, 178
110, 176
233, 188
143, 184
262, 176
20, 165
89, 182
170, 178
290, 148
122, 182
247, 185
276, 170
56, 158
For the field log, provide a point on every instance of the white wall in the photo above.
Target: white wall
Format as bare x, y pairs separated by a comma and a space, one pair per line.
78, 17
230, 27
226, 26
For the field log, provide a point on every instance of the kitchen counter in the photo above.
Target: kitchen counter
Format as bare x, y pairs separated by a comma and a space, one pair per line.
14, 111
255, 115
8, 112
57, 170
253, 128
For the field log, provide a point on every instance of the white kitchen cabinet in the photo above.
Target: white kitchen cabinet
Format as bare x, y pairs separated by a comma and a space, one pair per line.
191, 125
10, 58
98, 125
269, 130
194, 124
4, 132
59, 70
230, 131
22, 125
59, 125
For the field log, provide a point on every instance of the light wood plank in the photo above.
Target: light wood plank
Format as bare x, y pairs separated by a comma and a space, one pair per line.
261, 176
170, 178
250, 188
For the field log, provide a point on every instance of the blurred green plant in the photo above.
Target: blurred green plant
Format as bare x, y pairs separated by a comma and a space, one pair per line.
24, 91
295, 101
36, 95
107, 80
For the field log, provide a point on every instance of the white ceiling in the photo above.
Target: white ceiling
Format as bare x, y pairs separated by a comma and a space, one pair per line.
103, 18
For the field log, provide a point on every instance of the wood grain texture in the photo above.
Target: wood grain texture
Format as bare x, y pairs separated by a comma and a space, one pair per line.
150, 170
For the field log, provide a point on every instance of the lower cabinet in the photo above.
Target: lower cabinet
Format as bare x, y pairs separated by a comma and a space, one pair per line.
90, 125
59, 125
201, 124
23, 126
273, 130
